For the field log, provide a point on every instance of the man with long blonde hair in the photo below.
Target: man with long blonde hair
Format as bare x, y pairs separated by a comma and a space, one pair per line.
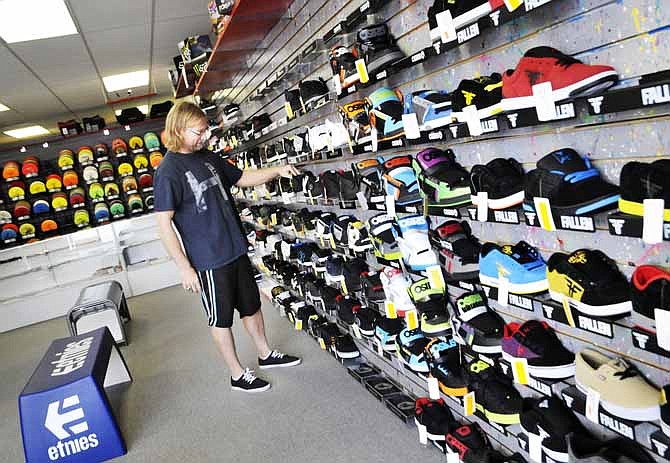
192, 192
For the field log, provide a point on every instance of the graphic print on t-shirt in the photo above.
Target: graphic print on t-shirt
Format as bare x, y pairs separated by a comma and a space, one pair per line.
199, 188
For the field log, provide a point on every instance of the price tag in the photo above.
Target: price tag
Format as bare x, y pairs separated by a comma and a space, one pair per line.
337, 84
289, 110
374, 139
513, 4
411, 124
472, 119
483, 206
445, 24
390, 205
503, 290
362, 200
389, 308
273, 218
435, 277
362, 71
592, 405
322, 344
652, 221
662, 328
298, 324
412, 319
520, 370
544, 214
469, 404
568, 312
423, 434
433, 388
535, 447
544, 101
357, 331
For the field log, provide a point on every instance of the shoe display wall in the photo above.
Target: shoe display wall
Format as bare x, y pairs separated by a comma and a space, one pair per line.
513, 131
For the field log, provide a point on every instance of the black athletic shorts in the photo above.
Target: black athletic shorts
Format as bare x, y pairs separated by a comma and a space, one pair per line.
227, 288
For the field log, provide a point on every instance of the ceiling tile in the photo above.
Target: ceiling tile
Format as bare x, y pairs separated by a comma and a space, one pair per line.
120, 50
81, 95
170, 33
44, 55
97, 16
170, 9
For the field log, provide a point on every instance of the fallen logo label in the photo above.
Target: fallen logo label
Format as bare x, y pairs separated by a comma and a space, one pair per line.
521, 302
655, 95
454, 130
382, 75
640, 339
490, 125
351, 89
468, 33
532, 4
522, 443
337, 29
595, 326
578, 223
506, 216
531, 218
61, 425
596, 103
450, 212
512, 118
504, 367
397, 142
465, 285
367, 148
616, 426
540, 387
565, 111
548, 311
473, 213
419, 57
435, 136
437, 47
495, 17
659, 447
617, 225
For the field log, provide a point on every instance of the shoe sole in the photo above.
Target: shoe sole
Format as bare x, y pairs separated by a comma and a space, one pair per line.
635, 208
453, 391
281, 365
553, 454
596, 83
500, 418
549, 372
632, 414
251, 391
591, 206
384, 60
453, 201
436, 123
665, 427
480, 349
502, 203
594, 310
429, 333
517, 288
347, 355
435, 437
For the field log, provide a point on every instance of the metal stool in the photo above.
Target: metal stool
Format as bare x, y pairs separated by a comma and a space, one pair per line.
103, 304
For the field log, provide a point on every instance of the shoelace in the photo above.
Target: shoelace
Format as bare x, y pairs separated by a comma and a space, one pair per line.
629, 372
276, 355
567, 61
248, 376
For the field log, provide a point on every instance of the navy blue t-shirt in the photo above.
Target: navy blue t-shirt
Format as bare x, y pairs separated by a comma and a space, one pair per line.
196, 187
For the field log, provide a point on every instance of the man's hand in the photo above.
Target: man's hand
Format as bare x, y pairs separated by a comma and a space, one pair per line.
189, 280
287, 171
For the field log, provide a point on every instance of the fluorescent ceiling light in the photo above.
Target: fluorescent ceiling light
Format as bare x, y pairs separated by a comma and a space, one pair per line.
21, 21
126, 80
3, 108
27, 132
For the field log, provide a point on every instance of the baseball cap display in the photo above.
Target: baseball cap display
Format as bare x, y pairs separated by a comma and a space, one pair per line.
85, 154
136, 143
90, 173
65, 159
117, 208
59, 200
9, 232
119, 146
10, 170
41, 206
101, 212
48, 225
30, 166
140, 161
129, 184
111, 189
95, 191
77, 196
151, 141
70, 178
101, 150
155, 158
125, 168
17, 189
54, 182
81, 217
135, 202
21, 209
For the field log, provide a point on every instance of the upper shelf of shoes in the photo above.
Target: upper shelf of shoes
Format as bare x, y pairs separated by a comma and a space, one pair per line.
249, 23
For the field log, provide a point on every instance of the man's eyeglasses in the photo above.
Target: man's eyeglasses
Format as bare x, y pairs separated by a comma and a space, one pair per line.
206, 134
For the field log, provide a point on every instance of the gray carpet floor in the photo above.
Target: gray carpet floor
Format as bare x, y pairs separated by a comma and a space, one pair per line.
180, 405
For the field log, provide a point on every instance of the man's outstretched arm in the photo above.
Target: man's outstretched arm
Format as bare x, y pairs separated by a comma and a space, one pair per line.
260, 176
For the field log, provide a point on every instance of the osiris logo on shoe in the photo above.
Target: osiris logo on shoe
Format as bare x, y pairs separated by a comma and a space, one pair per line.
617, 426
655, 95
